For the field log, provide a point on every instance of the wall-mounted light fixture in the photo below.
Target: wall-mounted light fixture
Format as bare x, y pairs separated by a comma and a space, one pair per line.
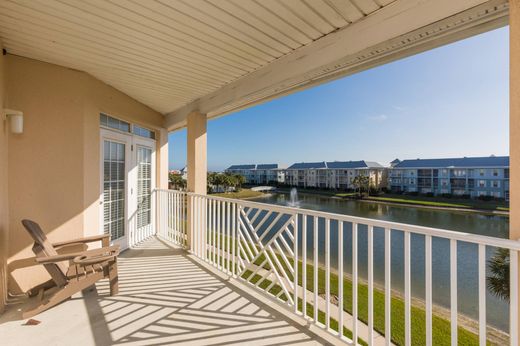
15, 119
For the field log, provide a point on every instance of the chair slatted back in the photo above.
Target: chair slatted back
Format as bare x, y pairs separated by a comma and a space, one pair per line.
43, 248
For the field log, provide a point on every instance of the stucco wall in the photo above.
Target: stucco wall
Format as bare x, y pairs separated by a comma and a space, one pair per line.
54, 171
4, 211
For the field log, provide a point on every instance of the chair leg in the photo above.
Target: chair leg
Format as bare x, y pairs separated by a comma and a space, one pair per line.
113, 278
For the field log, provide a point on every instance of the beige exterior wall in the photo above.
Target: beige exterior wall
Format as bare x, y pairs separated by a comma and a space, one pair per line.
4, 205
54, 167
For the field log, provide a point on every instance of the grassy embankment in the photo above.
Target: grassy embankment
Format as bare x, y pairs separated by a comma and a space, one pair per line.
420, 201
242, 194
442, 202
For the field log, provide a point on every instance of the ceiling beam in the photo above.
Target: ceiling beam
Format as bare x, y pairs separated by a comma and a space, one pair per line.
400, 29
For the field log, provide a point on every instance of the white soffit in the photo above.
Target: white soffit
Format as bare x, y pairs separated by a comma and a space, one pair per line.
166, 53
217, 56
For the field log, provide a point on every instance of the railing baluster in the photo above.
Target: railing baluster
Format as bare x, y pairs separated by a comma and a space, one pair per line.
214, 232
513, 297
219, 227
453, 290
370, 285
228, 240
388, 286
354, 282
407, 291
315, 234
197, 225
428, 288
192, 218
178, 221
327, 274
204, 228
295, 275
234, 231
304, 265
340, 279
482, 293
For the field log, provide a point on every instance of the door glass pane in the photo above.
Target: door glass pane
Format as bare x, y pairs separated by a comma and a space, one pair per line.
114, 189
144, 186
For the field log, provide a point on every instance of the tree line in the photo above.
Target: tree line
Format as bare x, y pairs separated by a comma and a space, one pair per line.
217, 182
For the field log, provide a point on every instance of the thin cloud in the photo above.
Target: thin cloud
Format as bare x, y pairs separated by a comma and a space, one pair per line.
379, 117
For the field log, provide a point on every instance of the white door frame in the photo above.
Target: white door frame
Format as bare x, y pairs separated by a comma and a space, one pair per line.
137, 141
131, 142
126, 139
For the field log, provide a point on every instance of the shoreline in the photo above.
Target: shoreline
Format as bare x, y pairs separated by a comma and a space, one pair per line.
502, 213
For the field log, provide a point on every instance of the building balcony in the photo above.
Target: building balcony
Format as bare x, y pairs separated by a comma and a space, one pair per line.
232, 271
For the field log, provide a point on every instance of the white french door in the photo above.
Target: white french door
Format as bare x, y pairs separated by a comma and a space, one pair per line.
142, 183
127, 182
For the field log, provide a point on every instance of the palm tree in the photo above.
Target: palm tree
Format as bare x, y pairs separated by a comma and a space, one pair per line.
498, 281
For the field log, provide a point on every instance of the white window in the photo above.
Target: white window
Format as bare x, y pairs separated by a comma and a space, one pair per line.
482, 172
495, 172
496, 183
482, 183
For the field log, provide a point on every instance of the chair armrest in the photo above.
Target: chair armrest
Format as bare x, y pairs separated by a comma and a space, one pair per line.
112, 250
71, 248
84, 240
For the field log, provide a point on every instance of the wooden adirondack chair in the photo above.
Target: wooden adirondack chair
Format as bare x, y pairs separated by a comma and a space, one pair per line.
84, 268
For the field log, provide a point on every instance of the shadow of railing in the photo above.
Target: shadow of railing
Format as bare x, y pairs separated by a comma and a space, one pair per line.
167, 298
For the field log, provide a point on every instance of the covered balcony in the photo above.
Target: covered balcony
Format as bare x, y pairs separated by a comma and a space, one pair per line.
89, 92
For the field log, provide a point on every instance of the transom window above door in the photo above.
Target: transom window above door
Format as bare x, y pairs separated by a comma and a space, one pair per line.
121, 125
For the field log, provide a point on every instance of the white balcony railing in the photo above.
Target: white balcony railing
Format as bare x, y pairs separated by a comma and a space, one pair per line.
277, 249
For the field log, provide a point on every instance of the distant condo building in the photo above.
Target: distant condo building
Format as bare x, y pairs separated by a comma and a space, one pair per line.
334, 175
258, 174
471, 176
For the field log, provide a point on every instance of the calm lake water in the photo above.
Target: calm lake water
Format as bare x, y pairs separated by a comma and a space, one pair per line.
467, 254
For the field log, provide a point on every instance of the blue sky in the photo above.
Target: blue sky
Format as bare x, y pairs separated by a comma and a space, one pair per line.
448, 102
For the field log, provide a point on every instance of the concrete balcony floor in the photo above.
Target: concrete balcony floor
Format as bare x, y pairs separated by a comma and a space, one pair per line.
166, 298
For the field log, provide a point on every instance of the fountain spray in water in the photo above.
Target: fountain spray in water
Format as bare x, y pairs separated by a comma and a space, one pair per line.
293, 202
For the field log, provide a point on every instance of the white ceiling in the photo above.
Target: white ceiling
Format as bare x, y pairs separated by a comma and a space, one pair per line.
166, 53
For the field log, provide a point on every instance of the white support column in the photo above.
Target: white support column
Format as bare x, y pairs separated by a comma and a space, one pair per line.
197, 161
514, 122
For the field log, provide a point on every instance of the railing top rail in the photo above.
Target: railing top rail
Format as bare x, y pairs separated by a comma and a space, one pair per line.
435, 232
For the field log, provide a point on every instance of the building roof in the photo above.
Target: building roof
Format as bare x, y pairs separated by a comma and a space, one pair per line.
308, 165
488, 161
267, 166
248, 166
336, 165
254, 166
353, 164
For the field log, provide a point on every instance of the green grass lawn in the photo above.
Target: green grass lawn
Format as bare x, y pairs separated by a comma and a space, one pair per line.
442, 202
243, 193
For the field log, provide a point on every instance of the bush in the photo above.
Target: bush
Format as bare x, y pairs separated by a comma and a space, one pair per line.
466, 196
413, 193
486, 198
429, 194
446, 195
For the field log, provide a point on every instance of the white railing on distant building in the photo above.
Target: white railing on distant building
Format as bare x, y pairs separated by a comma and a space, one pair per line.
262, 245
